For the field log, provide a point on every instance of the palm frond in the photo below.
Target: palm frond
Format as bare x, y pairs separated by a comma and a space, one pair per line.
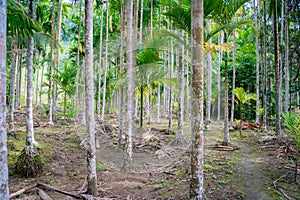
19, 24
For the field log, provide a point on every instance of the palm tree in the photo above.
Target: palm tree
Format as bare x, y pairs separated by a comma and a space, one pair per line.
197, 151
89, 98
242, 98
106, 65
57, 50
256, 9
264, 95
17, 28
4, 192
130, 80
29, 164
223, 14
52, 55
12, 87
277, 73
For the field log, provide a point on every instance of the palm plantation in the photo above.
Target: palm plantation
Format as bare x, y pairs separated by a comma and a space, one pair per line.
149, 99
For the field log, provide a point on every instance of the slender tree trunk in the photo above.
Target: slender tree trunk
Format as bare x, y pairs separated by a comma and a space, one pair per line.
264, 124
180, 75
188, 102
141, 22
151, 18
89, 99
12, 86
286, 66
171, 64
197, 151
106, 63
19, 79
56, 57
220, 41
29, 109
256, 9
4, 192
233, 79
130, 83
78, 65
42, 79
52, 56
121, 91
226, 130
142, 106
208, 77
277, 74
37, 79
100, 65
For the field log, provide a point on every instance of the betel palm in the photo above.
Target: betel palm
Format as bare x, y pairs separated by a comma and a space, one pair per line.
65, 78
242, 99
223, 14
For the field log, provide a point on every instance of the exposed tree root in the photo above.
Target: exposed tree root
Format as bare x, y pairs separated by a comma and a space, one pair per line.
29, 163
44, 196
179, 140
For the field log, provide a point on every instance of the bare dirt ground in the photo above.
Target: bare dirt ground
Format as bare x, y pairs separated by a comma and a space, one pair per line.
160, 169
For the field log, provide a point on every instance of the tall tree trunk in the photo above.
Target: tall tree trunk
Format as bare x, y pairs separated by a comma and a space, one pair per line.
56, 57
277, 74
151, 18
197, 151
130, 83
37, 78
100, 65
12, 86
19, 79
89, 98
264, 124
142, 105
121, 91
29, 109
233, 79
171, 64
220, 41
52, 56
226, 130
77, 96
106, 64
179, 135
256, 9
42, 78
286, 66
187, 99
4, 192
208, 77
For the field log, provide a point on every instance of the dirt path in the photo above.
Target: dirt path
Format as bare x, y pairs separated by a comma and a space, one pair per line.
251, 166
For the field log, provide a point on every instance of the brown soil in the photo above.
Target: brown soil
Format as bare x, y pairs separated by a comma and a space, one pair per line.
160, 170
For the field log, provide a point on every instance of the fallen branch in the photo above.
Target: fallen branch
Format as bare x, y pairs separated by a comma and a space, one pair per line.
225, 148
29, 187
43, 195
280, 189
49, 187
268, 146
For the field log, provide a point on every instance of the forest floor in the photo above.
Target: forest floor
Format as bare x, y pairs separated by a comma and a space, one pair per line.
160, 168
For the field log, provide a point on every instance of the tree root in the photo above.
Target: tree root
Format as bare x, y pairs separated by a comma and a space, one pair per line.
43, 195
29, 163
179, 140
